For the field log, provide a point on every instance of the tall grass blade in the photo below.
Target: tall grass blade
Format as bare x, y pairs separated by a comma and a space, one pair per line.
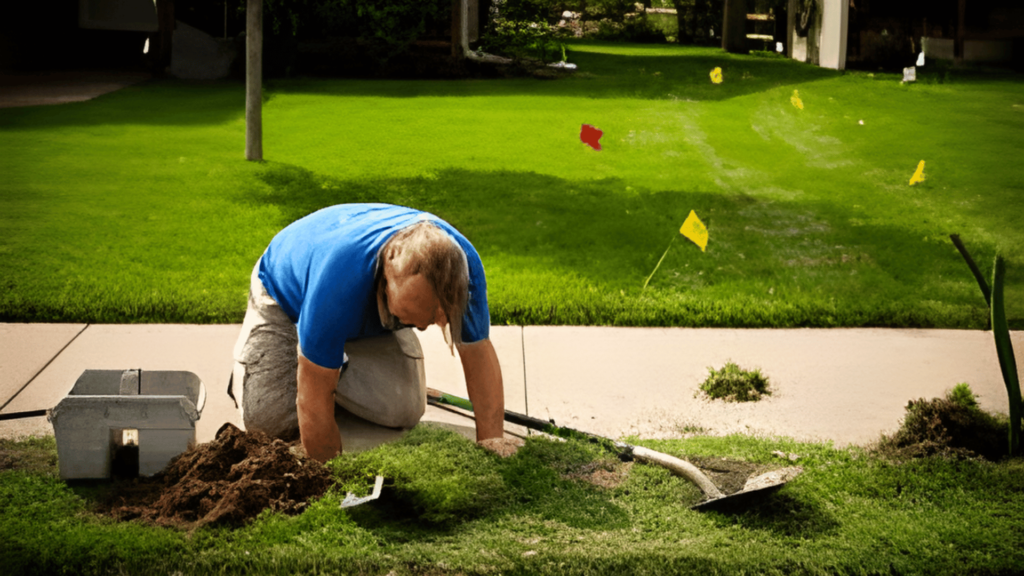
985, 291
1004, 349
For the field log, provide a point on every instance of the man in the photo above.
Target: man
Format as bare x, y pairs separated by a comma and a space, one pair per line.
331, 302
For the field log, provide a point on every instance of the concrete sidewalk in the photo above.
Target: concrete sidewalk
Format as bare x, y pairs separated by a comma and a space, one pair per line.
64, 86
844, 385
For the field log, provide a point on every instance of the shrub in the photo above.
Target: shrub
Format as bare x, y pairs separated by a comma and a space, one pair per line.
962, 395
734, 384
697, 19
521, 40
388, 27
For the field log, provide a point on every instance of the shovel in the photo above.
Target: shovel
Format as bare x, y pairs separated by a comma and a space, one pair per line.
714, 499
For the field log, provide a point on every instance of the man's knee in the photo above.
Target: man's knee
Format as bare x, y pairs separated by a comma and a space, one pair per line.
385, 381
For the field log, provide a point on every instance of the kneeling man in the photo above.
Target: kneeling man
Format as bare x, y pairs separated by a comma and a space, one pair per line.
331, 304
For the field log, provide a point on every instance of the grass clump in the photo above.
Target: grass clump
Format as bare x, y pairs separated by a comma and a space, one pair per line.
734, 384
953, 426
37, 455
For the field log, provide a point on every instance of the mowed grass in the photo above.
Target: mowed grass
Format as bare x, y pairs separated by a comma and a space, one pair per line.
448, 507
138, 206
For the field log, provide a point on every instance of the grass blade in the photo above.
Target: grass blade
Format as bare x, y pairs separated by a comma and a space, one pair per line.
985, 291
1004, 349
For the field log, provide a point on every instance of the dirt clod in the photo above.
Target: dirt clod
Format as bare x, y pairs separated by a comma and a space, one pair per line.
225, 482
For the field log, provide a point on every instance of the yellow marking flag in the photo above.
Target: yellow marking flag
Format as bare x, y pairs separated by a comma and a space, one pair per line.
695, 230
716, 75
795, 99
918, 174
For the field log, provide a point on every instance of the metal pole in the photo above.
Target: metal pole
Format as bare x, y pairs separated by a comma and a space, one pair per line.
254, 80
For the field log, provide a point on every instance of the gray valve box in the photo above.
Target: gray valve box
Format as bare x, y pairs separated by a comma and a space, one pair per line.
107, 409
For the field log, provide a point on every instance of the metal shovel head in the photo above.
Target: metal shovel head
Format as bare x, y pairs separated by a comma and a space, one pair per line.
755, 488
352, 500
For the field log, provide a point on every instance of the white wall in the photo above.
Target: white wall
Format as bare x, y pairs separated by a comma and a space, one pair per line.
834, 26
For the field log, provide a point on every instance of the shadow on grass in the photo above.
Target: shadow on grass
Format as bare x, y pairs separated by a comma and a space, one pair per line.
666, 73
781, 514
674, 72
600, 235
154, 103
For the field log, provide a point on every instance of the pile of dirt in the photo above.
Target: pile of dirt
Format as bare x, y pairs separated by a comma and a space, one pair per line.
948, 428
225, 482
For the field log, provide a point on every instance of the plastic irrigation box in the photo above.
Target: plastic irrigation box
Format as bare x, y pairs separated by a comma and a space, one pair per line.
151, 413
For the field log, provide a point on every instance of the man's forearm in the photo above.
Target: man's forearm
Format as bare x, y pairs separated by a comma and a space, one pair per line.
315, 406
485, 387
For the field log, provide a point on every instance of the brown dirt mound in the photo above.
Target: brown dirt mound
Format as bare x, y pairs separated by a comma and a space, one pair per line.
225, 482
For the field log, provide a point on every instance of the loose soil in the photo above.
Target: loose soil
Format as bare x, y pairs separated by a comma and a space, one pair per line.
728, 475
227, 482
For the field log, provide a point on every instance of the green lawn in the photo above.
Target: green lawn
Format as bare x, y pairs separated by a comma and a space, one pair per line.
448, 507
139, 207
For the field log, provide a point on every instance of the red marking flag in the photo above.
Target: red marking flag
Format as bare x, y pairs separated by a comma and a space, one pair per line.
591, 136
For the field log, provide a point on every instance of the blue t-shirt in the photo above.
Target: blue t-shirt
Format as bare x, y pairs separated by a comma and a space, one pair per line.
320, 270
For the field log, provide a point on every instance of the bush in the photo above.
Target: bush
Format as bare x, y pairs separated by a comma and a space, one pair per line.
697, 19
388, 27
521, 40
384, 28
632, 28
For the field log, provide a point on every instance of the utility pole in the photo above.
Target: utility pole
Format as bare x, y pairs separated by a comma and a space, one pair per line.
254, 80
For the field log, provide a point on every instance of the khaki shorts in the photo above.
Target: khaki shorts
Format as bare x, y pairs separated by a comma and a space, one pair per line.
383, 380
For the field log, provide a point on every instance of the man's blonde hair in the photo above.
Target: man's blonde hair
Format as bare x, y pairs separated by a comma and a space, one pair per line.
431, 252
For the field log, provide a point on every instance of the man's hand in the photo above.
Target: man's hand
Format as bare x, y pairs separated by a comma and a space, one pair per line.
315, 406
503, 447
486, 391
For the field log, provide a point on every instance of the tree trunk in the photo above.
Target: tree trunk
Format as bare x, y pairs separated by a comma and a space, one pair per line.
164, 35
254, 80
734, 26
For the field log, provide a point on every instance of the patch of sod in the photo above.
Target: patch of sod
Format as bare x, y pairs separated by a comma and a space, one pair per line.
138, 206
847, 513
734, 384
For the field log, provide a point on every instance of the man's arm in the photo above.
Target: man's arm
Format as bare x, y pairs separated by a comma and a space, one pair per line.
315, 406
486, 390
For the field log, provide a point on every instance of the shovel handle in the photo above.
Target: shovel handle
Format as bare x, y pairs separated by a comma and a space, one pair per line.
438, 397
680, 468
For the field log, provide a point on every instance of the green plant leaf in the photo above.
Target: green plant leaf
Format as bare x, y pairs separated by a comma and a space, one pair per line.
1004, 349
